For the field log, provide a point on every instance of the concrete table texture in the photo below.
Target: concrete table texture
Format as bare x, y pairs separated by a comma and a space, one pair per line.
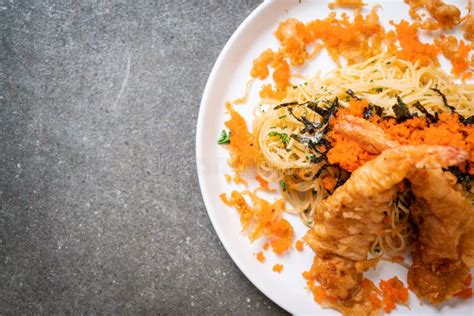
100, 208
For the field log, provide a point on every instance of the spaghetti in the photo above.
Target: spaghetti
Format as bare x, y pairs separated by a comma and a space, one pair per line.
292, 136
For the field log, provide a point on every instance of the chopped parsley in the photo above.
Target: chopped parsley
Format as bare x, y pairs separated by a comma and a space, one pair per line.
283, 185
224, 138
283, 137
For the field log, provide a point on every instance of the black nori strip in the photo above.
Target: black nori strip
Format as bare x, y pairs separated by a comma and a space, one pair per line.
352, 94
334, 106
370, 109
309, 126
321, 170
378, 109
283, 105
318, 159
467, 121
325, 113
314, 107
464, 178
445, 100
310, 141
325, 143
401, 111
342, 177
430, 117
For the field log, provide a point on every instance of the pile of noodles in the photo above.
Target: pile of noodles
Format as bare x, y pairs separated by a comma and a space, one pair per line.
379, 80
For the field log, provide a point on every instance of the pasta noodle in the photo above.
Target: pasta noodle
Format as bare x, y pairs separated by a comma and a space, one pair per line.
284, 157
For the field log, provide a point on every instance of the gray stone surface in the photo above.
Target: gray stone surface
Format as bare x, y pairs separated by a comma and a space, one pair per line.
100, 209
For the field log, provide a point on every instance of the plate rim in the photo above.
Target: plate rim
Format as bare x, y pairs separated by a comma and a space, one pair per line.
200, 153
199, 134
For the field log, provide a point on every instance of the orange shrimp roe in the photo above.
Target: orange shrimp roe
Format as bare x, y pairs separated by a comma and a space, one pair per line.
267, 92
329, 183
260, 257
243, 150
346, 152
357, 40
261, 63
277, 268
262, 182
393, 292
411, 47
448, 131
299, 245
266, 246
456, 51
354, 40
346, 4
262, 219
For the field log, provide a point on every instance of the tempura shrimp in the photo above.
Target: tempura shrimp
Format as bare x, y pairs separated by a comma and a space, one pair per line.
349, 220
442, 212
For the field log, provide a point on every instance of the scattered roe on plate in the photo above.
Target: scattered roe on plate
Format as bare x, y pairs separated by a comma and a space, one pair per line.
353, 4
410, 46
393, 292
260, 257
457, 52
242, 147
354, 40
277, 268
448, 131
262, 219
299, 245
360, 38
263, 183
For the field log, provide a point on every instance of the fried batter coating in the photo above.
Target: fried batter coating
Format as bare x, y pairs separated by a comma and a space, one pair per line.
348, 221
444, 215
437, 285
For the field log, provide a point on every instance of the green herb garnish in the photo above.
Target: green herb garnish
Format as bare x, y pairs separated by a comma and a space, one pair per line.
283, 137
283, 185
224, 138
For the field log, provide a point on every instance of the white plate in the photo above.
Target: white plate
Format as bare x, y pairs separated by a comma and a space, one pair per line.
227, 82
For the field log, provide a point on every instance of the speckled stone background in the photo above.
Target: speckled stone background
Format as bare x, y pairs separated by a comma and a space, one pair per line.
100, 208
